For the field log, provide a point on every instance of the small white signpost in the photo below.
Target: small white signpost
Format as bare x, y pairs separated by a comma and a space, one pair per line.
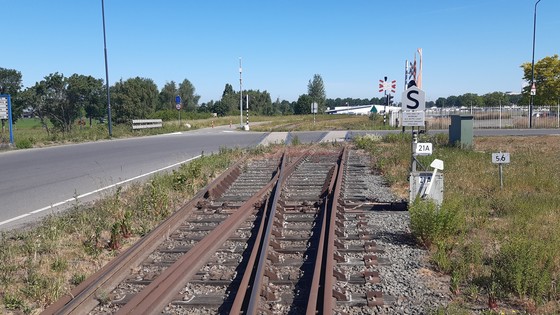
500, 158
423, 148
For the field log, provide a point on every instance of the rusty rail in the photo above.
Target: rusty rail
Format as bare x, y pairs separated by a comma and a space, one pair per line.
82, 297
161, 291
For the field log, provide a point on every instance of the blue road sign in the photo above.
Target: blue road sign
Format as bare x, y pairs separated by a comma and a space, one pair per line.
177, 99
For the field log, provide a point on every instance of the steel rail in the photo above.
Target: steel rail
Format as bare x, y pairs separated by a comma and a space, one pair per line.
318, 266
260, 249
328, 299
82, 298
153, 298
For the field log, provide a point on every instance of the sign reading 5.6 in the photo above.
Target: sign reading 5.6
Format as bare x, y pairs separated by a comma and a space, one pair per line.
500, 158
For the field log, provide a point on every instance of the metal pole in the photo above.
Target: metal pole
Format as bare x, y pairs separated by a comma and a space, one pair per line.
501, 176
533, 66
247, 110
106, 71
240, 96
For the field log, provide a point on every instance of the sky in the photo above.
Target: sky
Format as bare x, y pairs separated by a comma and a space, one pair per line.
469, 46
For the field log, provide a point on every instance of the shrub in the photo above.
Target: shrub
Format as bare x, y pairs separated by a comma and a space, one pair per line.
24, 144
430, 223
526, 268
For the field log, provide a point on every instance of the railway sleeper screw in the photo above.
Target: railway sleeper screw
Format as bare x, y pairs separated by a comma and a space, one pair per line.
339, 275
275, 245
374, 298
370, 246
339, 223
342, 296
339, 244
271, 274
372, 276
338, 257
276, 232
361, 224
339, 233
370, 260
273, 257
271, 295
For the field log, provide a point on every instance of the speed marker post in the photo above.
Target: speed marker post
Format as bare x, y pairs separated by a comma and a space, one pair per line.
501, 158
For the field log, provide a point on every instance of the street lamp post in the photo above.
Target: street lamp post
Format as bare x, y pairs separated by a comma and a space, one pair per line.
533, 66
106, 71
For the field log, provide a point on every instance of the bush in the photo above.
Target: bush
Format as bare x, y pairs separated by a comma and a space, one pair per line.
430, 223
24, 144
526, 268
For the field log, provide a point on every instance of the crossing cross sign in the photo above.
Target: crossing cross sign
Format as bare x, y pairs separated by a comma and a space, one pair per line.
413, 99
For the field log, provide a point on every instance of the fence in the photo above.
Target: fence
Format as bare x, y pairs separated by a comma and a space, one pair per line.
146, 123
544, 117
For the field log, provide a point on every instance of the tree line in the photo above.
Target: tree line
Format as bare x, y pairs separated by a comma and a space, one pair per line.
63, 100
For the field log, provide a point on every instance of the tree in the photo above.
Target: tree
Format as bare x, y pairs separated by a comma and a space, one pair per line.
230, 100
470, 99
60, 111
167, 96
86, 93
495, 99
316, 90
547, 81
134, 98
10, 81
303, 105
188, 96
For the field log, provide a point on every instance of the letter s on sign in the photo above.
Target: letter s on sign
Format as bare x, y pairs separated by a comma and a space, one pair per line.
414, 100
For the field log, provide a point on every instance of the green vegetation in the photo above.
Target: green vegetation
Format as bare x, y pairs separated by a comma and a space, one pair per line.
498, 245
40, 264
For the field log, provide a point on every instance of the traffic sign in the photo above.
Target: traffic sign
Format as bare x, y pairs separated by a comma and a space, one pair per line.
177, 100
413, 118
178, 106
533, 89
500, 158
423, 148
386, 86
413, 99
314, 108
3, 108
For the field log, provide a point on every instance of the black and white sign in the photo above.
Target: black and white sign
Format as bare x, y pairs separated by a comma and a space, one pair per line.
413, 118
500, 158
413, 99
3, 108
423, 148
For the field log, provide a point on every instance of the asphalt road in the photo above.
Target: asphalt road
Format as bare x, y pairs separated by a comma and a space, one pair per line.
37, 182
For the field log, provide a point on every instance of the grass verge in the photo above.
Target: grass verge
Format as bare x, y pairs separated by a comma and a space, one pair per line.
501, 247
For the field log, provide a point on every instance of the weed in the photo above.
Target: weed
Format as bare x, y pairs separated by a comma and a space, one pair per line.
77, 279
431, 223
115, 242
59, 265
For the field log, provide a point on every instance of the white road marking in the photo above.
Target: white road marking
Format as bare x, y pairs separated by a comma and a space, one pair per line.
95, 191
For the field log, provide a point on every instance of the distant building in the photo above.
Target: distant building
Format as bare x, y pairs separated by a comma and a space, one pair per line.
362, 109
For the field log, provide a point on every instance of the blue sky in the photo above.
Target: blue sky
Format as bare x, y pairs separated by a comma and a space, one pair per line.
468, 46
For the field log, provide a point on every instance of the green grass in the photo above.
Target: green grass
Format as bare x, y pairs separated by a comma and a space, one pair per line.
39, 265
494, 243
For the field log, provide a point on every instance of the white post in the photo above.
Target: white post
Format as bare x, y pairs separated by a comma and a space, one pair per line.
240, 96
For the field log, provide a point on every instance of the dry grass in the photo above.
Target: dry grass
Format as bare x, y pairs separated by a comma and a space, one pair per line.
506, 244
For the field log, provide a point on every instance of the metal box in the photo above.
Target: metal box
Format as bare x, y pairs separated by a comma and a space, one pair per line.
419, 182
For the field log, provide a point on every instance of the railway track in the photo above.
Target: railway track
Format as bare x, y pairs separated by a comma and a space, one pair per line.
281, 235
